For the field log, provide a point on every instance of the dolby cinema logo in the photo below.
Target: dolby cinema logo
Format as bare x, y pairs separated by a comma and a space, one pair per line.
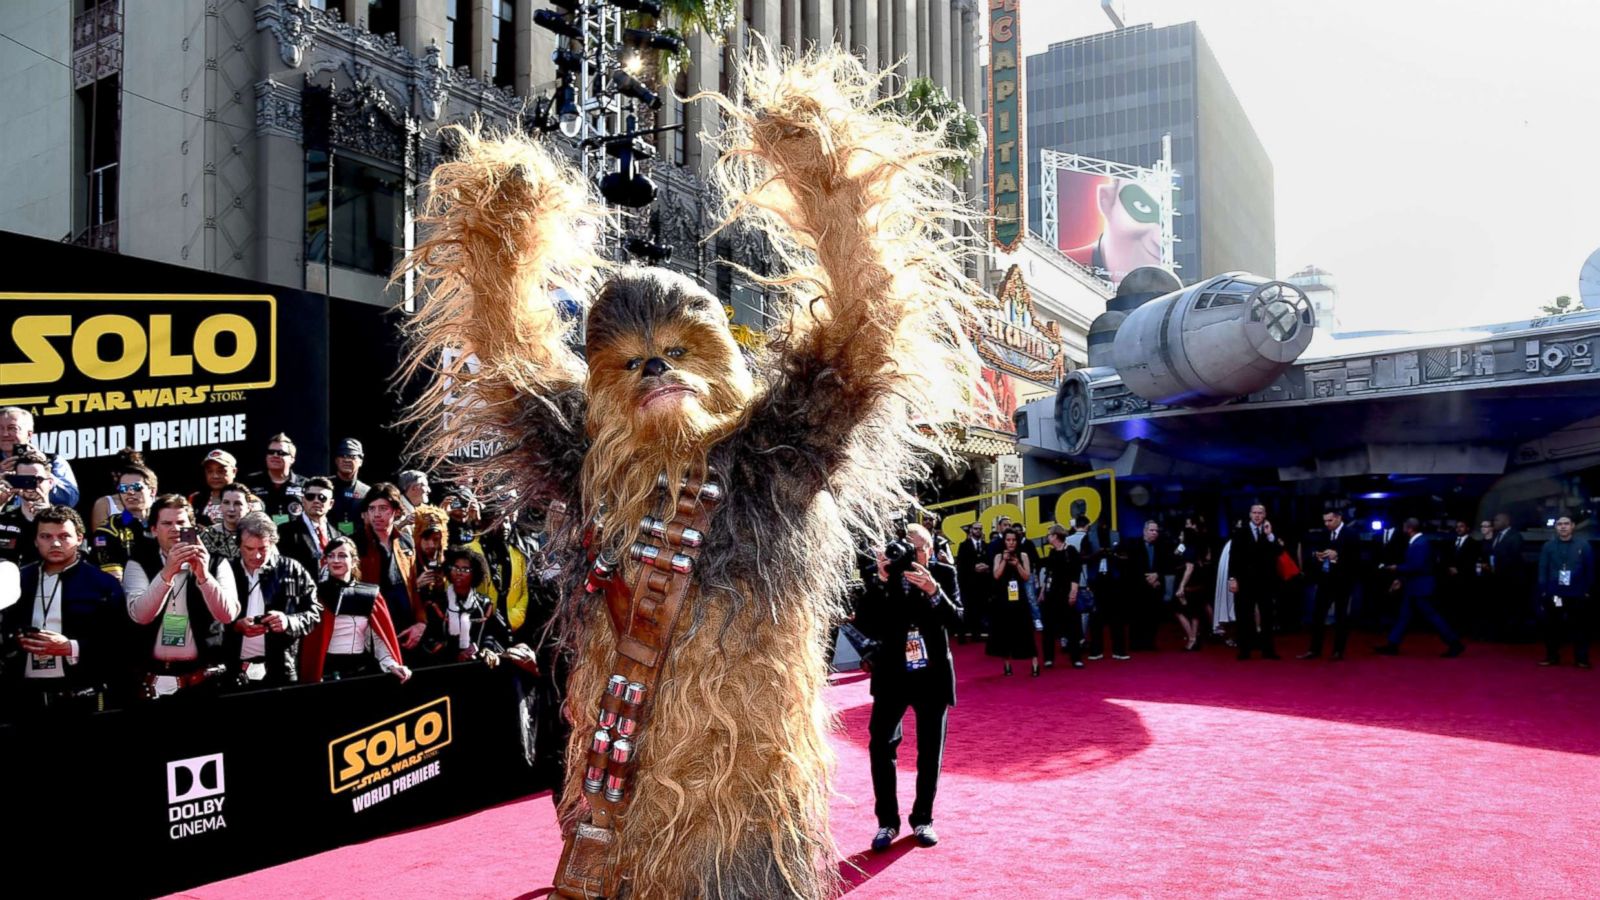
195, 792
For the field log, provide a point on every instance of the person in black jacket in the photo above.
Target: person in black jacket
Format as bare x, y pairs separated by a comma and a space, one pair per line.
910, 616
1059, 605
277, 607
303, 537
70, 625
972, 576
1252, 577
1508, 607
1334, 567
1461, 578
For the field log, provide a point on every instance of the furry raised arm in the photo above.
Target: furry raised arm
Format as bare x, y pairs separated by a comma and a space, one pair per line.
850, 196
502, 226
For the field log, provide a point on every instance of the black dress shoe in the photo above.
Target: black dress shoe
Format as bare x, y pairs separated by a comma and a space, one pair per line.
1583, 664
1455, 650
1549, 662
1242, 657
1270, 655
1308, 655
1337, 655
1386, 650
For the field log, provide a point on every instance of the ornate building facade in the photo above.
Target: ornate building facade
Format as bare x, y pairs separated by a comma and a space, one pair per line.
287, 141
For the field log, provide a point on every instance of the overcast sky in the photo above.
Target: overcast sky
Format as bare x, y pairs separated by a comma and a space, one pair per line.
1437, 156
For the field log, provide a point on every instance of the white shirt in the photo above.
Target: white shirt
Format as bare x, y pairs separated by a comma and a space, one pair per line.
1413, 539
149, 598
254, 605
49, 594
320, 534
353, 634
458, 620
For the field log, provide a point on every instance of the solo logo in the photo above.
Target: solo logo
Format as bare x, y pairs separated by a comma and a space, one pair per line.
111, 352
195, 794
363, 758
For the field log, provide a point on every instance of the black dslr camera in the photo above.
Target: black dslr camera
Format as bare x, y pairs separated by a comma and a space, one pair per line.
901, 556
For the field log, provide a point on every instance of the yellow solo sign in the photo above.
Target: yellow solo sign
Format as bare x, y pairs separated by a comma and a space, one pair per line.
960, 514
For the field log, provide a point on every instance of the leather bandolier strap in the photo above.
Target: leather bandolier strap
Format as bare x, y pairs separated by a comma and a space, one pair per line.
644, 615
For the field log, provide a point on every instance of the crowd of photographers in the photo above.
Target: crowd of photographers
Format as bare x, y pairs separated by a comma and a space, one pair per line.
265, 580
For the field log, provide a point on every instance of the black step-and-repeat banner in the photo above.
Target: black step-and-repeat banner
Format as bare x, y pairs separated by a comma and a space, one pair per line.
170, 795
111, 351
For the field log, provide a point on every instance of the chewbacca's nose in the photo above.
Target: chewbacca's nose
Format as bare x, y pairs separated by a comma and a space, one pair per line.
655, 367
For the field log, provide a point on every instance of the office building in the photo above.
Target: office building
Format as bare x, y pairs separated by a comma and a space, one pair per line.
1114, 95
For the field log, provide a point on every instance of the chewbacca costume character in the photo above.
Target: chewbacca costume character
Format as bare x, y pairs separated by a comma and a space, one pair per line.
808, 445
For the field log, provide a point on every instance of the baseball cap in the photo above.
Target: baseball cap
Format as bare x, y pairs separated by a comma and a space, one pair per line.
348, 447
222, 456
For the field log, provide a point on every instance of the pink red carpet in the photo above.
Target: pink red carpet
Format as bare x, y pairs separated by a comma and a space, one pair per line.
1172, 773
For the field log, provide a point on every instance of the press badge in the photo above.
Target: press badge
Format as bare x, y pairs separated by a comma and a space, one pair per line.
43, 663
916, 651
174, 630
1564, 577
1012, 592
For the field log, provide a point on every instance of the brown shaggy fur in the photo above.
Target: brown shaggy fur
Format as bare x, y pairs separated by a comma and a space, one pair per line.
813, 447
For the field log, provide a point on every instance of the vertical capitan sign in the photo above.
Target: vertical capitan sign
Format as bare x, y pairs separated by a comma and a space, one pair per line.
1008, 202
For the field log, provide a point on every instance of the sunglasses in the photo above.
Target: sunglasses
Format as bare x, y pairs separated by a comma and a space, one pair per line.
134, 488
280, 452
316, 498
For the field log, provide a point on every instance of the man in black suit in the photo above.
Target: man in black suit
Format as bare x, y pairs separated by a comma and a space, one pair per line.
303, 536
1335, 565
1508, 606
277, 607
1379, 604
910, 615
71, 624
1253, 577
972, 570
1149, 562
1461, 578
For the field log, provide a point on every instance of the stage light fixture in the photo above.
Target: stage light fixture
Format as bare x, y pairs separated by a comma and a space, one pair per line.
570, 6
648, 7
567, 60
651, 252
645, 39
629, 86
550, 20
567, 112
634, 64
627, 186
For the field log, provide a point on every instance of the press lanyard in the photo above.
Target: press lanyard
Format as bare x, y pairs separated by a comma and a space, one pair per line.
55, 592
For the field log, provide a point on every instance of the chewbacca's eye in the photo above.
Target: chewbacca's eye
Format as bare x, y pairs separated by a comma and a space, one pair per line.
675, 352
634, 363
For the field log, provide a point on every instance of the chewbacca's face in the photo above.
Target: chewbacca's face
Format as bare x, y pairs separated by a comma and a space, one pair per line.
662, 364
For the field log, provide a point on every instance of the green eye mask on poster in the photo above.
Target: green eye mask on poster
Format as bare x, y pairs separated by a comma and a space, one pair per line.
1137, 201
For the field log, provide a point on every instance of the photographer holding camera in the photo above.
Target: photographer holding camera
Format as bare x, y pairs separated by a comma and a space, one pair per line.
909, 608
24, 494
69, 625
277, 607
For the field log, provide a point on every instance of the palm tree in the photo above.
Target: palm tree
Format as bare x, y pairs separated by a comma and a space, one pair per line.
930, 109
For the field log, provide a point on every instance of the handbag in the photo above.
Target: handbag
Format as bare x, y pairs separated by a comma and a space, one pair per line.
1286, 567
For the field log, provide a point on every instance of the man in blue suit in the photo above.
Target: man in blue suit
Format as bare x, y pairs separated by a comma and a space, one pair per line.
1415, 575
